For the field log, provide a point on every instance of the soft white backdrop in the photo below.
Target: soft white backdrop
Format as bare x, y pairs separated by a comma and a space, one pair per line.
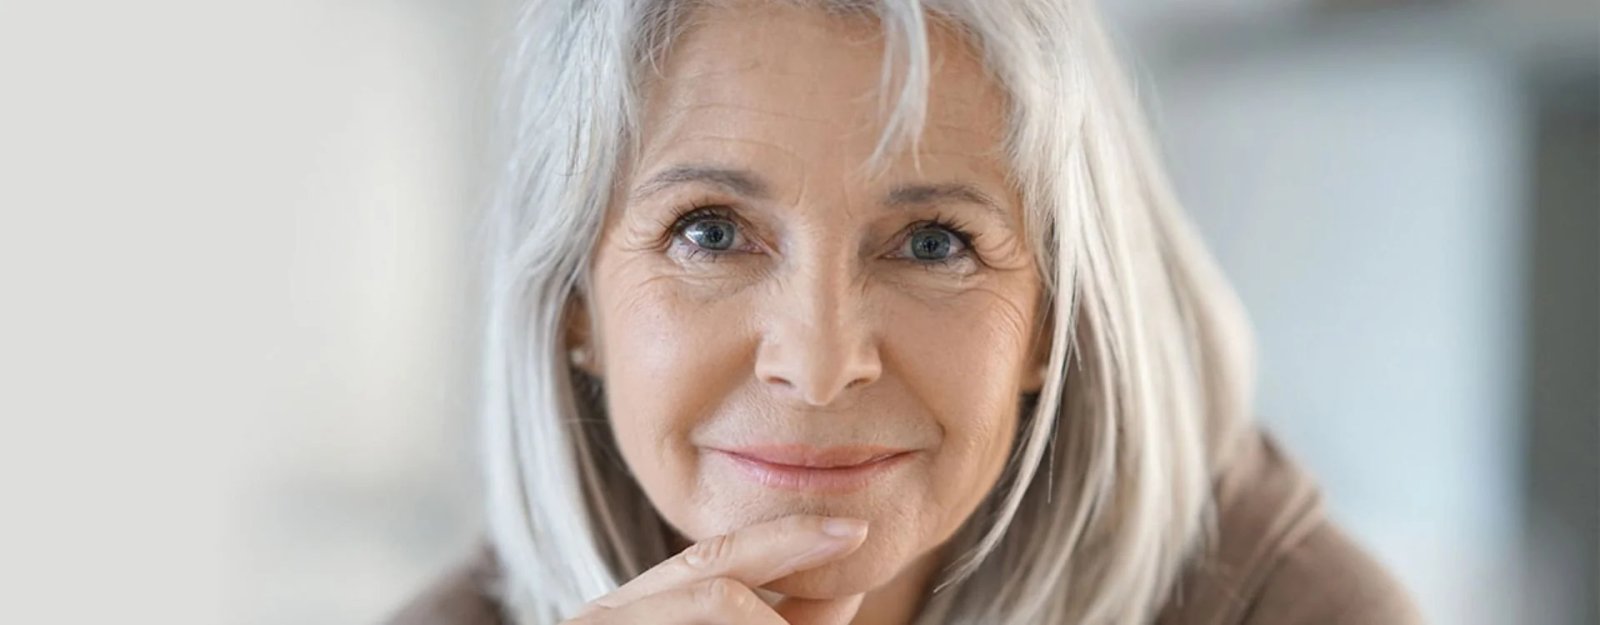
237, 338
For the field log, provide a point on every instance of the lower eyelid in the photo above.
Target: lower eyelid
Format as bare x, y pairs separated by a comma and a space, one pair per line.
963, 264
687, 249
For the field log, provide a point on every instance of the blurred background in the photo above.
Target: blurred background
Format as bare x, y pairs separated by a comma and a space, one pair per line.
239, 326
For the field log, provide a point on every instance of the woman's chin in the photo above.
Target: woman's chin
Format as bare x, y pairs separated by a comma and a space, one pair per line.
872, 566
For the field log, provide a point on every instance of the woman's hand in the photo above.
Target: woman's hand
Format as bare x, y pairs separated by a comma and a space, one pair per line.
712, 580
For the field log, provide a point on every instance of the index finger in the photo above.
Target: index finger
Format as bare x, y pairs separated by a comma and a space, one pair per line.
754, 555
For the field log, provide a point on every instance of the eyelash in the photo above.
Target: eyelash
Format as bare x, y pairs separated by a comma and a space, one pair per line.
688, 215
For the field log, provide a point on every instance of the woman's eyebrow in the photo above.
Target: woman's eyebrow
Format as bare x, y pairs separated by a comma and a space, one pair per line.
924, 194
737, 181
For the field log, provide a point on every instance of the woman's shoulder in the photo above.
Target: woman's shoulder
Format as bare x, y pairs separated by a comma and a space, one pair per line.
1276, 558
1328, 578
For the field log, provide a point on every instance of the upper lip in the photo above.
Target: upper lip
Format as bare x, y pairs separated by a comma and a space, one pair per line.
812, 457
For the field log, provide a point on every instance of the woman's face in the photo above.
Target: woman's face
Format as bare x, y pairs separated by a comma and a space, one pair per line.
779, 332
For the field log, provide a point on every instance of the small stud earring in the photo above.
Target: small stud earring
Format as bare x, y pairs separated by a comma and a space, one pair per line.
578, 355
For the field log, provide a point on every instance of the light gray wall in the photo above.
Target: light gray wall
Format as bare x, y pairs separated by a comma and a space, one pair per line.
1363, 178
236, 307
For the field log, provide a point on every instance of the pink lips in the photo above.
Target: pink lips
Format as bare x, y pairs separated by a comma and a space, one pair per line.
816, 469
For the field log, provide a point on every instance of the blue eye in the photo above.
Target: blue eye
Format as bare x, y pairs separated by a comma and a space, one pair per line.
940, 245
933, 244
712, 234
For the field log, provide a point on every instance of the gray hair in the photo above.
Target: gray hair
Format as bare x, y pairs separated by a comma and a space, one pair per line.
1151, 363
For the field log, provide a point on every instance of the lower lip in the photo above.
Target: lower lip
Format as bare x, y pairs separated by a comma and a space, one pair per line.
831, 480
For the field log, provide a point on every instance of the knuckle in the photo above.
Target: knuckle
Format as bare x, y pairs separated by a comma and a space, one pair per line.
720, 594
709, 553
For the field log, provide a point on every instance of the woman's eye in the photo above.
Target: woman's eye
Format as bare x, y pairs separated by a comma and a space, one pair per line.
712, 234
933, 244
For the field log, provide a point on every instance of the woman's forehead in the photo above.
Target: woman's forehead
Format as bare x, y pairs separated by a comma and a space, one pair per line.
778, 81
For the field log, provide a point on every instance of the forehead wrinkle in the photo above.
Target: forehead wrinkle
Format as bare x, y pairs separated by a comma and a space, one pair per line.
711, 138
980, 156
683, 109
936, 120
748, 66
965, 129
680, 113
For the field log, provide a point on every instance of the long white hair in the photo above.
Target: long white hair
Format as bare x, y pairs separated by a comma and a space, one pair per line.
1107, 493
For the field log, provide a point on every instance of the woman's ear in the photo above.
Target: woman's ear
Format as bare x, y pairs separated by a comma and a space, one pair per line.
582, 352
1033, 376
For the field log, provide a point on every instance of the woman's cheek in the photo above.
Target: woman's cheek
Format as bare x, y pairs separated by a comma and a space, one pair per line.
970, 379
671, 361
643, 355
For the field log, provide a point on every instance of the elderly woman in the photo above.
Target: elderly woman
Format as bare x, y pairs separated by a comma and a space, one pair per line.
866, 312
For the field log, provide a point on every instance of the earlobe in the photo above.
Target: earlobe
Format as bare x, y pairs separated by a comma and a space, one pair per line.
578, 339
1033, 379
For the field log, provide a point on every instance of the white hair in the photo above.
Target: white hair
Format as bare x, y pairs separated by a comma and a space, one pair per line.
1107, 493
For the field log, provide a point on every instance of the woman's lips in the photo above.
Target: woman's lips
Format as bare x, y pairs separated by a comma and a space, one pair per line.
814, 469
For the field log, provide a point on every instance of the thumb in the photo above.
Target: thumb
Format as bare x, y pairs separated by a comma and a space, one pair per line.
818, 611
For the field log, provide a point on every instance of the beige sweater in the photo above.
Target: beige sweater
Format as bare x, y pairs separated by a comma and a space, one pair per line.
1277, 561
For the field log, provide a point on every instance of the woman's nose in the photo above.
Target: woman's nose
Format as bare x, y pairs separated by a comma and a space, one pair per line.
819, 343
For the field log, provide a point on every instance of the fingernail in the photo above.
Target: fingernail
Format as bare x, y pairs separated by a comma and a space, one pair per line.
844, 528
